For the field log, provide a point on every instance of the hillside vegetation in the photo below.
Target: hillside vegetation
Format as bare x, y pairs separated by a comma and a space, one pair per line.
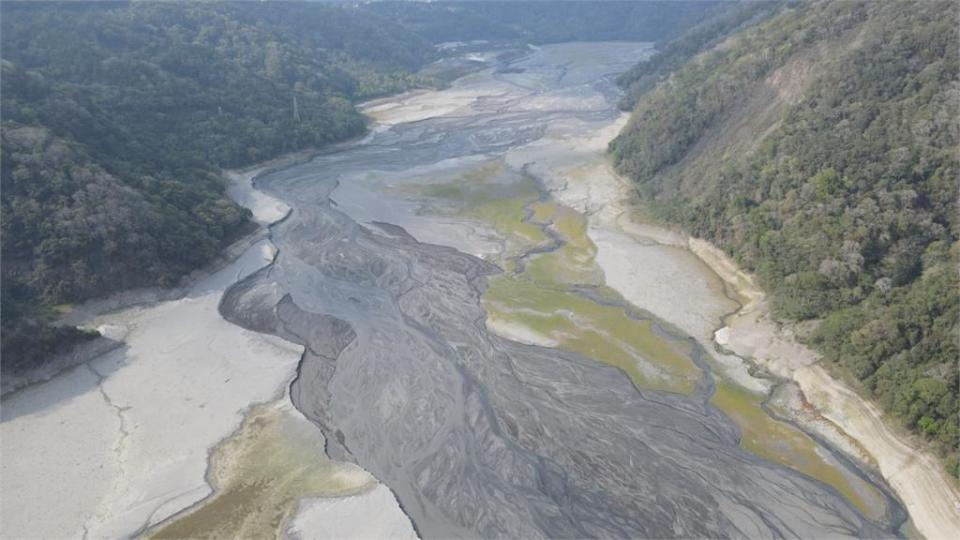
671, 55
541, 22
118, 117
819, 149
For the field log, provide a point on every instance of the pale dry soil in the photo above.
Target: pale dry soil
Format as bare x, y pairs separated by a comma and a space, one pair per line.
143, 417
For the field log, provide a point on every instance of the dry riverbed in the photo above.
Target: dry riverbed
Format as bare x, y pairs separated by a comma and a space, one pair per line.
613, 346
555, 251
559, 429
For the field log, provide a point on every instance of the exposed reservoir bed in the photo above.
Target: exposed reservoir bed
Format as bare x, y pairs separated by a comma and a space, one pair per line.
478, 334
489, 374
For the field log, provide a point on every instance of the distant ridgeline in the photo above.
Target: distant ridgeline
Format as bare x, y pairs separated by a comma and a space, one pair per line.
819, 148
117, 118
541, 22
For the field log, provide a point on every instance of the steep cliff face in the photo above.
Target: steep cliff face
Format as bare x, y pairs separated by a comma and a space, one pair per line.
818, 147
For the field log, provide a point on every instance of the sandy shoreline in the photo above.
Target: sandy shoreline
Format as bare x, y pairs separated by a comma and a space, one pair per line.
929, 494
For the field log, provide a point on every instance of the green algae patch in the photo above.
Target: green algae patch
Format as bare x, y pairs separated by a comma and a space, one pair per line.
603, 333
259, 476
506, 215
572, 262
786, 445
477, 194
467, 182
543, 211
444, 191
537, 300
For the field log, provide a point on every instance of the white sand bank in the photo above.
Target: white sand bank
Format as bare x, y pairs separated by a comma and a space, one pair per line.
373, 514
419, 105
266, 209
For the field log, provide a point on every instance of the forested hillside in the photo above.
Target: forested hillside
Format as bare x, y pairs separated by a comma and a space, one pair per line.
118, 117
819, 148
674, 53
541, 22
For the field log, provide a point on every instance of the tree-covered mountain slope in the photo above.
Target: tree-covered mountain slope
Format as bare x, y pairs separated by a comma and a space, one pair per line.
548, 21
819, 148
117, 118
674, 53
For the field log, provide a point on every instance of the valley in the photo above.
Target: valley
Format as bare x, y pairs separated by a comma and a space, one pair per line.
458, 326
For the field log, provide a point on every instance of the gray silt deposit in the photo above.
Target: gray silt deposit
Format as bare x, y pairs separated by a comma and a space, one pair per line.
475, 434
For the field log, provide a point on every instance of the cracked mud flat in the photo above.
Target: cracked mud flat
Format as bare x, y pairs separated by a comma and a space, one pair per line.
477, 434
120, 443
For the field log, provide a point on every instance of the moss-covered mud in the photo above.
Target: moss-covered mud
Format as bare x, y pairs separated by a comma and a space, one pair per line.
605, 333
782, 443
260, 475
548, 256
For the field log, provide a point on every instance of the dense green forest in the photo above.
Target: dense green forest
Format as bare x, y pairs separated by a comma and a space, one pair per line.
118, 117
671, 55
819, 148
541, 22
